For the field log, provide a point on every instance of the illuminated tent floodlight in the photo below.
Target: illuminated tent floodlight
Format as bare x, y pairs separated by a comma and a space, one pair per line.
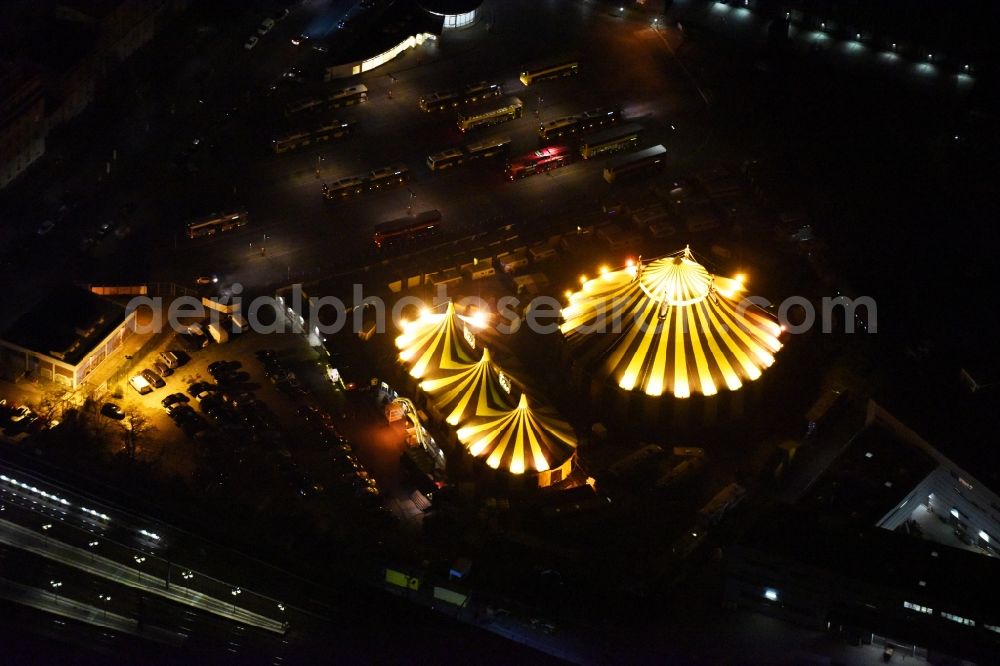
669, 326
437, 342
520, 440
476, 389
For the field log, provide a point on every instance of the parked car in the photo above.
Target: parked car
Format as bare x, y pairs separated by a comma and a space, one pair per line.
200, 390
265, 26
280, 15
206, 279
251, 42
154, 379
20, 413
45, 227
140, 384
172, 400
162, 369
112, 411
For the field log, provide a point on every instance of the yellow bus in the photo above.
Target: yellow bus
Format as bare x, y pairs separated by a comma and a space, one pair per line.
484, 115
331, 130
611, 140
445, 159
635, 164
535, 74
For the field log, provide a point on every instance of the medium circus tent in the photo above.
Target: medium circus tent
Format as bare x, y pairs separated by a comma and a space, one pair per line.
476, 389
520, 439
437, 342
489, 407
669, 326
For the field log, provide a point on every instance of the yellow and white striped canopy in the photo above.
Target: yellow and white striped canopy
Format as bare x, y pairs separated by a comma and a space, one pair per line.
520, 440
437, 342
474, 389
669, 326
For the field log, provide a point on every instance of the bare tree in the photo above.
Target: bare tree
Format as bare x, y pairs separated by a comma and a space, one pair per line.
136, 428
54, 403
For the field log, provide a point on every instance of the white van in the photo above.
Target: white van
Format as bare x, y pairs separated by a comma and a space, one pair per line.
140, 384
239, 323
170, 359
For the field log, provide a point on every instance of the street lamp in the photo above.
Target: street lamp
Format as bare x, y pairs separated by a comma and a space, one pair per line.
235, 592
92, 545
55, 584
45, 528
187, 575
138, 561
105, 598
409, 207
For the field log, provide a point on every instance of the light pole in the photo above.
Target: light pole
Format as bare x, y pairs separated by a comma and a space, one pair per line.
409, 207
138, 563
105, 598
235, 592
92, 545
55, 584
45, 529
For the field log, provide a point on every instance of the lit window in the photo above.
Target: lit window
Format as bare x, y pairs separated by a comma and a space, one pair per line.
918, 608
770, 594
958, 618
955, 513
993, 627
984, 536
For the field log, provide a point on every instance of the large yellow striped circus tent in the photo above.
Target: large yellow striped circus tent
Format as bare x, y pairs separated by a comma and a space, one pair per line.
668, 326
496, 420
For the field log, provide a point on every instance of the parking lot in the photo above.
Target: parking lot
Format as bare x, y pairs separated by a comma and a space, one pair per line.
254, 421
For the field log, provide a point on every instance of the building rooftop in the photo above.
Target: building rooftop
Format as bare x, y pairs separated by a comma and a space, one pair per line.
378, 31
951, 578
66, 323
449, 7
938, 403
869, 478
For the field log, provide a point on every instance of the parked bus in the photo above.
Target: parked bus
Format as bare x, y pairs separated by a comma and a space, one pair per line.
335, 100
540, 73
635, 164
581, 123
347, 96
445, 159
372, 181
452, 99
343, 188
387, 177
332, 130
724, 501
611, 140
499, 145
213, 224
493, 113
304, 106
473, 151
407, 229
558, 128
540, 161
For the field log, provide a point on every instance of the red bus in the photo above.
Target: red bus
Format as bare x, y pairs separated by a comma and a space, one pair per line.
407, 229
543, 159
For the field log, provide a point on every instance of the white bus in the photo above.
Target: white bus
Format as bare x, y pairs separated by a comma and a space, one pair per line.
213, 224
